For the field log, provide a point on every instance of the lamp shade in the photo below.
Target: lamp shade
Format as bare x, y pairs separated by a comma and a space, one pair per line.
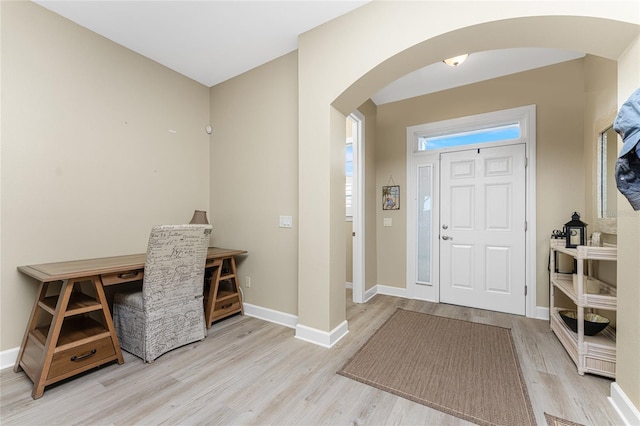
199, 218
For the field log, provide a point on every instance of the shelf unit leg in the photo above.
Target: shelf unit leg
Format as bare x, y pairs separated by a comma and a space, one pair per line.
580, 311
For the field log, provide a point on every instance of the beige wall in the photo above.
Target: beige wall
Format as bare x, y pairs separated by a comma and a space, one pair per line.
254, 157
89, 162
370, 112
558, 93
601, 82
628, 336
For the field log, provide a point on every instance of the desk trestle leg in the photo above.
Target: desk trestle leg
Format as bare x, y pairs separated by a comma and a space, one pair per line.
223, 296
70, 331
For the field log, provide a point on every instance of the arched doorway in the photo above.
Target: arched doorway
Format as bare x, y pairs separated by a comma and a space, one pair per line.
386, 54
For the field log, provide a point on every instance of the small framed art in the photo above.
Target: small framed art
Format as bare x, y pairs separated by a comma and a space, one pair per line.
391, 197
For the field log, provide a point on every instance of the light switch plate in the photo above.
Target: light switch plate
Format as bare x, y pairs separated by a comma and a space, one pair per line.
388, 221
286, 221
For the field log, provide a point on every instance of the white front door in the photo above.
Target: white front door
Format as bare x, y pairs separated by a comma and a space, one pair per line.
482, 228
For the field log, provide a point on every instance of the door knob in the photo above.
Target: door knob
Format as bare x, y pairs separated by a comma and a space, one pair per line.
446, 237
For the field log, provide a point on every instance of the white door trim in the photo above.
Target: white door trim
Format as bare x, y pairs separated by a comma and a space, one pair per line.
357, 200
526, 116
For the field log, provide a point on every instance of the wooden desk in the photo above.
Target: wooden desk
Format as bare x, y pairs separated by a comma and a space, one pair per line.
71, 330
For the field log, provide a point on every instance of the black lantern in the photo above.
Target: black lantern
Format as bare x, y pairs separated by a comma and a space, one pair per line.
576, 231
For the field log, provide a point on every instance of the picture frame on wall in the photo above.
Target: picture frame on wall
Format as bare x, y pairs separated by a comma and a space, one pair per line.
391, 197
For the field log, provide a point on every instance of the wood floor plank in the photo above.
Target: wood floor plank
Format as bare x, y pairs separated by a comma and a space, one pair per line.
251, 372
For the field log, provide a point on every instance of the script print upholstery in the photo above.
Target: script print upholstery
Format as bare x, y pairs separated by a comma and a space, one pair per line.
169, 311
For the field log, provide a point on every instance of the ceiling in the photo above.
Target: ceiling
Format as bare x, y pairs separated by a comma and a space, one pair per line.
213, 41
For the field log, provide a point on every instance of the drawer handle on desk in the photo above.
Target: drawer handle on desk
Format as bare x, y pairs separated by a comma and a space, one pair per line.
76, 358
125, 275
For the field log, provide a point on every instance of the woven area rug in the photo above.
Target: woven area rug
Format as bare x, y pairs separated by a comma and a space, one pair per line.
557, 421
465, 369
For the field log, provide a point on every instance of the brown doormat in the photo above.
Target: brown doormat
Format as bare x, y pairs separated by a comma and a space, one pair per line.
557, 421
465, 369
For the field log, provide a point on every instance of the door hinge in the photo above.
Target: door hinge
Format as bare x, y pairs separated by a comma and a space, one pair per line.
526, 226
526, 162
526, 288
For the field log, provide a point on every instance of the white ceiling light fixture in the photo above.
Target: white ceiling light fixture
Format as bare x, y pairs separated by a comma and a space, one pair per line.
456, 60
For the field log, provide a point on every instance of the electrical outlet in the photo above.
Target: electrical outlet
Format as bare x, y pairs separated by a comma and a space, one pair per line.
247, 282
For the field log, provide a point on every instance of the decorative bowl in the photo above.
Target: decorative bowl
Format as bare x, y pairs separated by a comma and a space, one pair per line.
593, 323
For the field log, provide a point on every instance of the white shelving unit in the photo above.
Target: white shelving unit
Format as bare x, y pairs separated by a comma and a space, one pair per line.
592, 354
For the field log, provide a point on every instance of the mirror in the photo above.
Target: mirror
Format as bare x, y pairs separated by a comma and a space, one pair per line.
606, 184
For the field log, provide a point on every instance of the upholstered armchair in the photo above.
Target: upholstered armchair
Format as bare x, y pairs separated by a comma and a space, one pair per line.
169, 311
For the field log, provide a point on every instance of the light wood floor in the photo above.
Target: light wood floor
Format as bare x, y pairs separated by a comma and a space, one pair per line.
248, 371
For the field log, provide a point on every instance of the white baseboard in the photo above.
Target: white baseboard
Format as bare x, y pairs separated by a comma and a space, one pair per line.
8, 358
322, 338
629, 414
368, 295
391, 291
270, 315
308, 334
541, 313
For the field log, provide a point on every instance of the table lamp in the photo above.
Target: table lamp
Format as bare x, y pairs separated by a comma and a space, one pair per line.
199, 218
